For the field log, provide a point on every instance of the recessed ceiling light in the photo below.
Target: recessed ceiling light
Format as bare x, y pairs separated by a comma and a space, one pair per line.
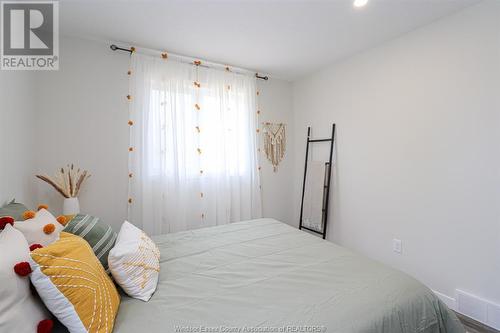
360, 3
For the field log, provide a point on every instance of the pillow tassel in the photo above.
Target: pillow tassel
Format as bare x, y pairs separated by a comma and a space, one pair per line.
6, 220
45, 326
22, 269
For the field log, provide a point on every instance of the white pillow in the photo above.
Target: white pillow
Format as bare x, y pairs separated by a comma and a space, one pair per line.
33, 229
134, 262
20, 312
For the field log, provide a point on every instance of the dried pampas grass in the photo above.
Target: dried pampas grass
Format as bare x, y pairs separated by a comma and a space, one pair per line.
67, 181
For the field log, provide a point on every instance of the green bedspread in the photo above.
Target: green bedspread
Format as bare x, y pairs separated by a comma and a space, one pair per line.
265, 276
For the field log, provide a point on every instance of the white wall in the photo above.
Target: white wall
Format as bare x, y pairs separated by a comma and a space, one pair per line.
275, 104
17, 121
83, 120
417, 150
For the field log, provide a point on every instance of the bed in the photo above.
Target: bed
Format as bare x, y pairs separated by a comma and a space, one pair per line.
265, 276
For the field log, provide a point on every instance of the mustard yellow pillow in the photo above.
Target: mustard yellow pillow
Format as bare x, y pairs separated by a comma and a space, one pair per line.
74, 286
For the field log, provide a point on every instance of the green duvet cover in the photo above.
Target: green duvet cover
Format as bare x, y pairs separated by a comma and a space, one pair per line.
265, 276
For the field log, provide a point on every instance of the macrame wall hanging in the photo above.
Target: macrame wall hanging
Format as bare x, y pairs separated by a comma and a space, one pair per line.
274, 143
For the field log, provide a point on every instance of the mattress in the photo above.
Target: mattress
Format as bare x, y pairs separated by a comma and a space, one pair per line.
265, 276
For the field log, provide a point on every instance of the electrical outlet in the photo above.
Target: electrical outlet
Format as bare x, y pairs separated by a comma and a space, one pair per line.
397, 246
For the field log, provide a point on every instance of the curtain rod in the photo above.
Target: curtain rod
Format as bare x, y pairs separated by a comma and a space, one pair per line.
132, 50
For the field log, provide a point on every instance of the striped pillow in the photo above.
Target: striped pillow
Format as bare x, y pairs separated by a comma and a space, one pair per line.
99, 235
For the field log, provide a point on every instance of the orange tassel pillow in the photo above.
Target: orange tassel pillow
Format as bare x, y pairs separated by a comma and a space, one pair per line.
39, 227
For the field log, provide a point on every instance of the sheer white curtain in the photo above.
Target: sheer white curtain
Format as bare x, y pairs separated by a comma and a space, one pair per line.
193, 146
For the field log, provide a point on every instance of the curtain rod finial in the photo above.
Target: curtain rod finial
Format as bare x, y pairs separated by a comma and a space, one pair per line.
261, 77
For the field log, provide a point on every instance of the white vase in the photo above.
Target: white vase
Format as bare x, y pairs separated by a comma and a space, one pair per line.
71, 206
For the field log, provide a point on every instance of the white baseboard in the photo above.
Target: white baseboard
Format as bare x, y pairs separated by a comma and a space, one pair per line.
493, 314
482, 310
449, 301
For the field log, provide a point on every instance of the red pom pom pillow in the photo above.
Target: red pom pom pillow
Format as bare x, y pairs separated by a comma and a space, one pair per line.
20, 312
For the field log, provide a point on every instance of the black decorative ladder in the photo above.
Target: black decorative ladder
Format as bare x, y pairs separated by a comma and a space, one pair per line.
326, 187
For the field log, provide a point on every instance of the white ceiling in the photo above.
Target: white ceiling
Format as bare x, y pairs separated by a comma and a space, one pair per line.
286, 39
